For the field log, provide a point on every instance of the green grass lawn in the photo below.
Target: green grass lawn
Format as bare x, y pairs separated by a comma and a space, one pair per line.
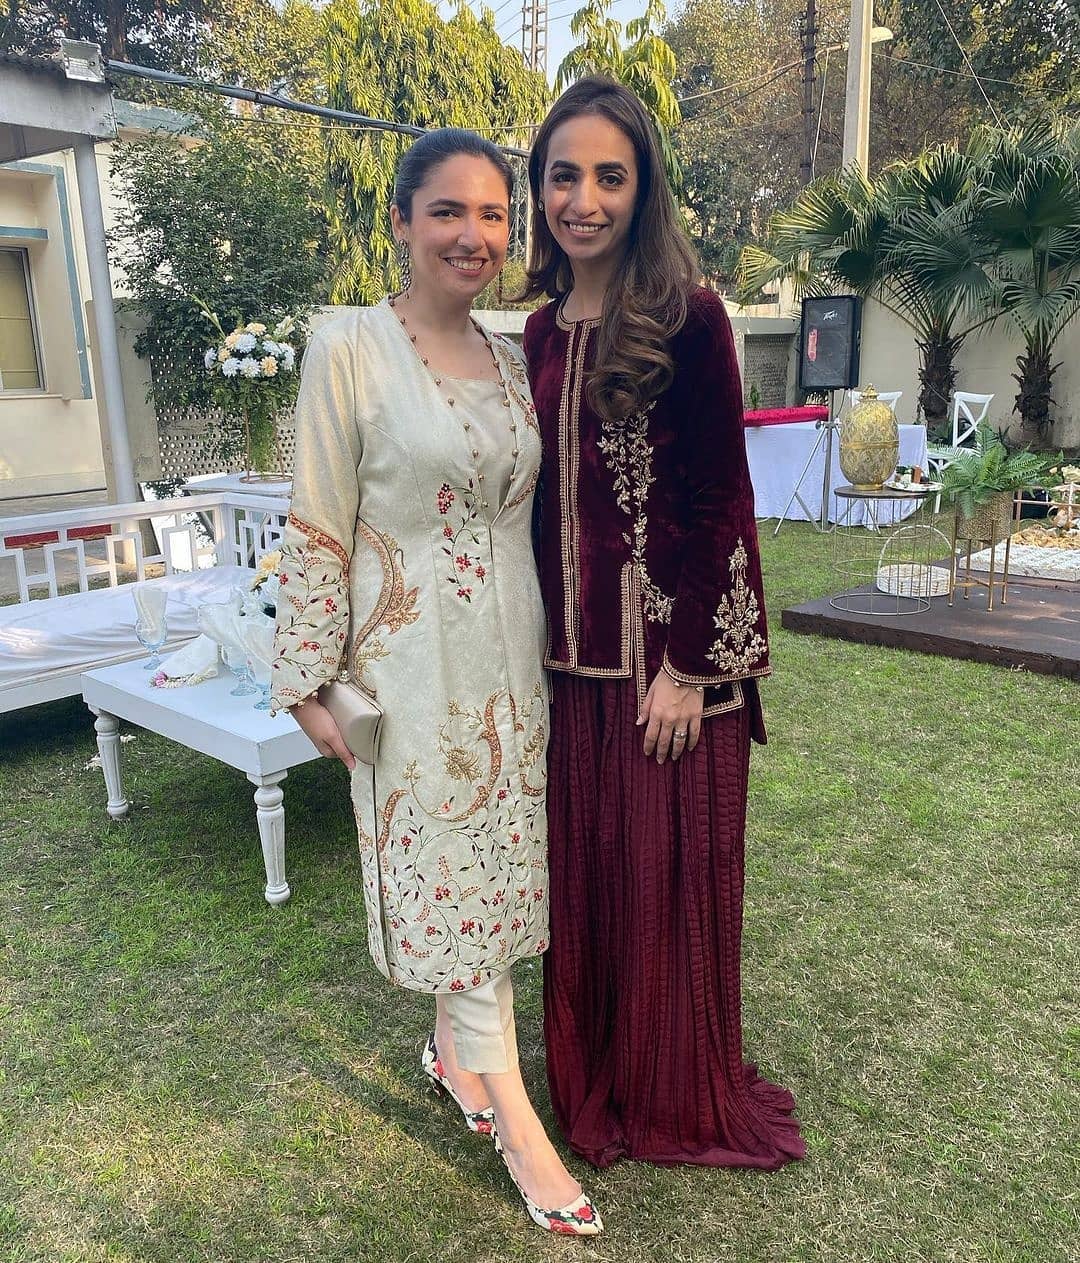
189, 1074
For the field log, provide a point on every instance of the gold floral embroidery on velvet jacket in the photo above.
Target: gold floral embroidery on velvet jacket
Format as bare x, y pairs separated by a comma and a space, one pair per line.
394, 609
739, 645
629, 456
457, 915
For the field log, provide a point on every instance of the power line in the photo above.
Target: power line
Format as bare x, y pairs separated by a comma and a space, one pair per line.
277, 102
963, 74
967, 62
768, 75
327, 126
821, 112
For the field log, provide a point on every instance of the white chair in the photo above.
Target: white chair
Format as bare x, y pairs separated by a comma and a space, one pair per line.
891, 397
968, 412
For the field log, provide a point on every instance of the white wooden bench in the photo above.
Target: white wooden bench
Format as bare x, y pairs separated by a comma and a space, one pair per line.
205, 545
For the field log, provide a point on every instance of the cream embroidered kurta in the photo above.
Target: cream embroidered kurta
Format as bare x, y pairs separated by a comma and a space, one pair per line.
408, 558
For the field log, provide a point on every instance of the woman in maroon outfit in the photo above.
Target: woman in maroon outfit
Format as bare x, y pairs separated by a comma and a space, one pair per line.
650, 570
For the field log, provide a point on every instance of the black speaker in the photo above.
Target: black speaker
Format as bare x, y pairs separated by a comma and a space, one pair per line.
829, 343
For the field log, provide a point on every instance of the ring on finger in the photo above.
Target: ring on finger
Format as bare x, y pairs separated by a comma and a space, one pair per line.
679, 736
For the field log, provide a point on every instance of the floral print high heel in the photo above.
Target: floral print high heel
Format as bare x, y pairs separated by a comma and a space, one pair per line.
480, 1121
578, 1219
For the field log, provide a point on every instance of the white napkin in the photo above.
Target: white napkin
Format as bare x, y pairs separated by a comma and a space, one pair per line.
150, 602
258, 639
195, 662
220, 621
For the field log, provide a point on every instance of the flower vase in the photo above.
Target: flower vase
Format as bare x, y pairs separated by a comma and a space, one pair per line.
262, 448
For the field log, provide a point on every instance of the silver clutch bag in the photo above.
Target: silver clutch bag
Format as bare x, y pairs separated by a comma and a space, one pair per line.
357, 715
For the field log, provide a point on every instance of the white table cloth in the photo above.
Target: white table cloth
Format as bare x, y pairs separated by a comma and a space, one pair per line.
778, 454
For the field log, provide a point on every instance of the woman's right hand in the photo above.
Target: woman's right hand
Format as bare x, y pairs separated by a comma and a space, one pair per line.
322, 730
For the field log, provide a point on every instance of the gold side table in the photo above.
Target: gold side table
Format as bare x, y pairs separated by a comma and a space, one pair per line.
883, 552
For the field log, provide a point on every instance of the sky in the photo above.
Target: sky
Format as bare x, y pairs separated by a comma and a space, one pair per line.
560, 41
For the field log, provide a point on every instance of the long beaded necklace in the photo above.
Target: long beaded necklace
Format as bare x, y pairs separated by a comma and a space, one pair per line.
438, 380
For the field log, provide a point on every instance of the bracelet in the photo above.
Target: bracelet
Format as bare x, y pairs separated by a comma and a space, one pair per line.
698, 688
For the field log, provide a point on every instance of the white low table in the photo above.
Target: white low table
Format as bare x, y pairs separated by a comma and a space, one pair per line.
205, 718
202, 483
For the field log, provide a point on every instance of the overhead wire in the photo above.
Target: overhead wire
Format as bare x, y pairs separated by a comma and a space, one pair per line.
821, 112
967, 62
964, 74
769, 74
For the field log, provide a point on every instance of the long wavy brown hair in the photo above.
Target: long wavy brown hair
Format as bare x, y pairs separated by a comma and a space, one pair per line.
645, 303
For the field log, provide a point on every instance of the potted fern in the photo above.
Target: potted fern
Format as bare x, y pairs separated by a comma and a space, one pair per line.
982, 484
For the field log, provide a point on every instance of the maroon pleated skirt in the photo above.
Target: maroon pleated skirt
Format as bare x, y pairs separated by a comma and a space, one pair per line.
642, 1005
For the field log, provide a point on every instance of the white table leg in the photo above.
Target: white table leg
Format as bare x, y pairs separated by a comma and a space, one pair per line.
107, 728
271, 817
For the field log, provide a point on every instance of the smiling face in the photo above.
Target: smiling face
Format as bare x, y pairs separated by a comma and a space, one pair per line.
458, 228
590, 187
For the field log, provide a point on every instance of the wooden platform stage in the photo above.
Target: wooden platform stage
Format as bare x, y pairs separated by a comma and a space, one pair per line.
1039, 628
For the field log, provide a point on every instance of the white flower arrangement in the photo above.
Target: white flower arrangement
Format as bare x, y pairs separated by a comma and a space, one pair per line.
265, 585
251, 351
253, 381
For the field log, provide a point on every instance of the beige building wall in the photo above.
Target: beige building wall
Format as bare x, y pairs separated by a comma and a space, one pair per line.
51, 440
986, 363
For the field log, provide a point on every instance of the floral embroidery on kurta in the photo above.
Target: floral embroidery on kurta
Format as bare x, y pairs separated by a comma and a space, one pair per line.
739, 646
465, 568
629, 455
451, 820
463, 914
394, 609
313, 581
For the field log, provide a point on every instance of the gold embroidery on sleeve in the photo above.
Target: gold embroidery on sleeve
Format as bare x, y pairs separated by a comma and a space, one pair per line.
320, 539
739, 645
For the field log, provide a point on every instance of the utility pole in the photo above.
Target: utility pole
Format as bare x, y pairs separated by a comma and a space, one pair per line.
534, 26
809, 33
857, 91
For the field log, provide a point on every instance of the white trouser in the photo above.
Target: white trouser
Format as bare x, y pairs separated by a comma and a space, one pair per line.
483, 1024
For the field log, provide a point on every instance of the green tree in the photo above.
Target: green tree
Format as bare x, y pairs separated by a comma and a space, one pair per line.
1021, 257
260, 44
212, 222
644, 63
166, 34
397, 59
1013, 46
897, 237
740, 139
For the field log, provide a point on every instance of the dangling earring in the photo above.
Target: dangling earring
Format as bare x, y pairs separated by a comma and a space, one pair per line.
540, 205
404, 262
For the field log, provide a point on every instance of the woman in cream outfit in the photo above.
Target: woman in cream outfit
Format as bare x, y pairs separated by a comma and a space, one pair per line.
407, 560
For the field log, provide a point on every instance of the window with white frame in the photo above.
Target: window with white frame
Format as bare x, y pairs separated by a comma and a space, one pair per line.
20, 358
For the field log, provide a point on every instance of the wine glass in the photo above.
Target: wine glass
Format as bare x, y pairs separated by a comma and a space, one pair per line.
236, 660
151, 627
259, 645
151, 636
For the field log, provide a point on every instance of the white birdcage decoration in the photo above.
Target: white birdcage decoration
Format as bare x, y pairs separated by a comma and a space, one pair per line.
898, 571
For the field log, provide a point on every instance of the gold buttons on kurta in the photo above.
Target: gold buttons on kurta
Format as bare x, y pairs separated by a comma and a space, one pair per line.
451, 401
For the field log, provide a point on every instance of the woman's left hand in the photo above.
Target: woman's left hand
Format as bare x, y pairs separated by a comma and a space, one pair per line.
672, 718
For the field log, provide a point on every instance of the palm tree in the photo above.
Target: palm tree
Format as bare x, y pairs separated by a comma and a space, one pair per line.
855, 234
1024, 261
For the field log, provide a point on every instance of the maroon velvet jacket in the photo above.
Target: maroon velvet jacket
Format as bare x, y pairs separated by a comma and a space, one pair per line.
648, 545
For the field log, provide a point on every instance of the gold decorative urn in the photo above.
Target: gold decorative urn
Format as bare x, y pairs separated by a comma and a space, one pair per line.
869, 442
